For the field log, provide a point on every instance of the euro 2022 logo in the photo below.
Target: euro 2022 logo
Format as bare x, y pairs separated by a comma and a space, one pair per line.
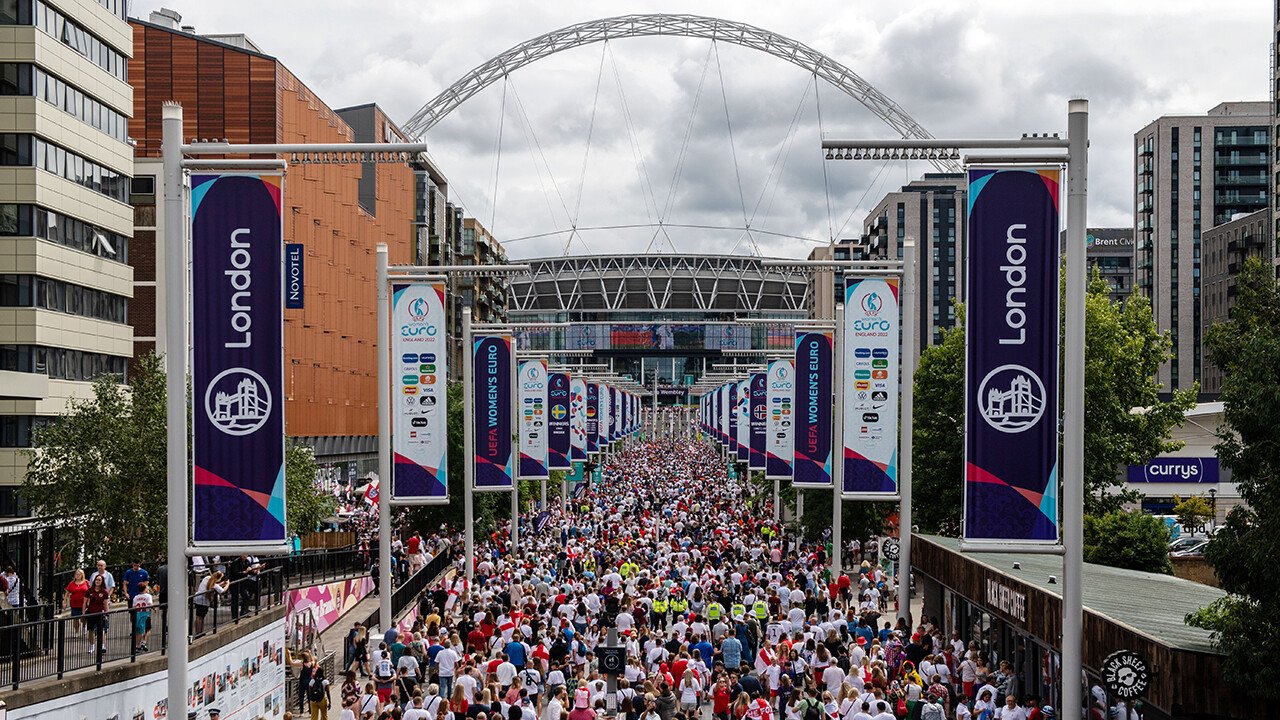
1011, 399
418, 309
238, 401
872, 303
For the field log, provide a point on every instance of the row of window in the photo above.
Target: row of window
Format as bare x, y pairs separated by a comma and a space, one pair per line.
74, 36
28, 80
17, 149
35, 221
15, 430
49, 294
61, 363
119, 8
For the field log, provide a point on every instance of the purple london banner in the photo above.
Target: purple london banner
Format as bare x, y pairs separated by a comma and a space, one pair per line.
593, 418
813, 400
237, 328
558, 422
493, 392
1011, 376
758, 413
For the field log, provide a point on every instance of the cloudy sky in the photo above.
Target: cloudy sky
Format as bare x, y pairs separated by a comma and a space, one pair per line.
655, 108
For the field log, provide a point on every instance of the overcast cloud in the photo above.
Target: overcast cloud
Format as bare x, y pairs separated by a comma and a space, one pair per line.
960, 69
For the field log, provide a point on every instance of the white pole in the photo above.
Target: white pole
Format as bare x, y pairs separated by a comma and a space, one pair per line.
384, 442
837, 439
175, 366
515, 481
542, 505
1073, 407
777, 499
468, 447
908, 359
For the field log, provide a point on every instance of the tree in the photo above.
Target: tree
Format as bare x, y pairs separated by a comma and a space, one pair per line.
101, 468
1193, 512
306, 504
937, 462
1123, 351
1132, 540
1246, 348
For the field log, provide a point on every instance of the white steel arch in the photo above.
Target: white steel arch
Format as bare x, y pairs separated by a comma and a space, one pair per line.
695, 26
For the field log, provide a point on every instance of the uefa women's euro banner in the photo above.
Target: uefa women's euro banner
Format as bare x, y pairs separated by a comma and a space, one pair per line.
593, 418
812, 459
870, 421
1011, 381
237, 333
420, 436
779, 430
533, 418
577, 420
558, 430
758, 416
493, 360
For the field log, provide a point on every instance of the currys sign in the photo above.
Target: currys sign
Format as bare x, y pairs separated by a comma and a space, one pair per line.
237, 318
1011, 374
492, 359
812, 459
1202, 470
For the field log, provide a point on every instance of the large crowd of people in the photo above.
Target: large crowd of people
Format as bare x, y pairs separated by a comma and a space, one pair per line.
722, 612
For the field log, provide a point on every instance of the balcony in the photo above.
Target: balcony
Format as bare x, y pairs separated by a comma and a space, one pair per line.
1144, 224
1233, 268
1228, 140
1241, 160
1240, 179
1233, 246
1254, 240
1145, 205
1147, 150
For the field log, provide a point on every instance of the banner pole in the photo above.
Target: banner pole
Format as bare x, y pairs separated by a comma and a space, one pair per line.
1073, 415
384, 442
777, 494
514, 374
175, 364
908, 356
468, 447
837, 440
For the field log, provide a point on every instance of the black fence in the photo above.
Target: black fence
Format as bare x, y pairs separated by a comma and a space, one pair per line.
35, 648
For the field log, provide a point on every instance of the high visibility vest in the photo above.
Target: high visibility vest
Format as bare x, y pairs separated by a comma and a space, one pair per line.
660, 606
679, 606
761, 610
714, 611
738, 610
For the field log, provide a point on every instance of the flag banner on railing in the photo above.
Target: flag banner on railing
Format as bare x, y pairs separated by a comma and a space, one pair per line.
1011, 376
780, 428
237, 332
758, 413
871, 336
812, 458
593, 418
577, 419
419, 408
533, 416
558, 422
492, 364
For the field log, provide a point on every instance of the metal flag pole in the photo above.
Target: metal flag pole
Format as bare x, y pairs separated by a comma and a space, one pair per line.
384, 442
1073, 408
175, 366
468, 448
908, 359
513, 374
837, 440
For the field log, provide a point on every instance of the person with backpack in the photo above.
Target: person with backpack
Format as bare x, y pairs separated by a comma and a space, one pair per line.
811, 708
932, 709
318, 695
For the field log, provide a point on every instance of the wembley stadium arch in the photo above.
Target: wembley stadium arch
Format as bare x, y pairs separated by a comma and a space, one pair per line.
659, 318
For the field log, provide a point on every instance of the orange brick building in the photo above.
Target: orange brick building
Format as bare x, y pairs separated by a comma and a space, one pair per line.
231, 90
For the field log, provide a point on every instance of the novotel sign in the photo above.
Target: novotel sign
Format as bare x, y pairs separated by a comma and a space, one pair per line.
1200, 470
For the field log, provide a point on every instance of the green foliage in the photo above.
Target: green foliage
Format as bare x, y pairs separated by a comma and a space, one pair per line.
937, 463
1123, 351
305, 504
1132, 540
1247, 350
1193, 512
101, 467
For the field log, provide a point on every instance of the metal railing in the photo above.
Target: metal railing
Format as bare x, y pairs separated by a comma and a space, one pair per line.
51, 646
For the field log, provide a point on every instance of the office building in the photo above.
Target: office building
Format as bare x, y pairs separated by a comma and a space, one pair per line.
1225, 247
65, 221
1192, 172
1109, 252
231, 89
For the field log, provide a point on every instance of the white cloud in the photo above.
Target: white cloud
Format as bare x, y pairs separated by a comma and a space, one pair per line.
961, 69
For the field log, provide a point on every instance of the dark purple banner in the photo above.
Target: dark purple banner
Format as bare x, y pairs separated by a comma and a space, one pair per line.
558, 422
813, 402
1011, 382
593, 418
493, 390
758, 412
732, 390
237, 296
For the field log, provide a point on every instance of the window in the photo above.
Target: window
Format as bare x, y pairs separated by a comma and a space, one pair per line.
16, 430
25, 150
143, 185
61, 363
41, 292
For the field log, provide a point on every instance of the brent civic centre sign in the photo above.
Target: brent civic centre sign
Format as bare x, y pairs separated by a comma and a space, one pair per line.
1200, 470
